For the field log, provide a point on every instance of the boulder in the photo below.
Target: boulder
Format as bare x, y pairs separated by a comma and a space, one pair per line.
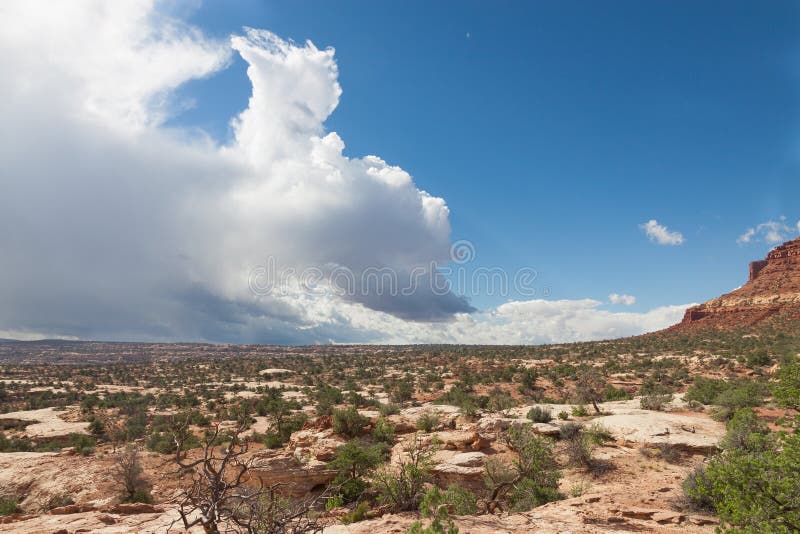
297, 478
496, 424
686, 432
406, 420
320, 445
464, 469
462, 440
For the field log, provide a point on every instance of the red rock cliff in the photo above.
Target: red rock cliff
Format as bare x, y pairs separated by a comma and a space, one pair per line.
773, 289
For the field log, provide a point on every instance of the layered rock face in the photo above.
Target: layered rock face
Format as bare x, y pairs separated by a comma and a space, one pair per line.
772, 292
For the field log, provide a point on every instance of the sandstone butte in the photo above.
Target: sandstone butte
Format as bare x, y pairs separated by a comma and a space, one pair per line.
771, 296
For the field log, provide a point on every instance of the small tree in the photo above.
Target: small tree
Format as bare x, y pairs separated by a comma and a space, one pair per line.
354, 460
113, 430
532, 477
383, 431
216, 489
787, 389
590, 388
462, 501
129, 475
402, 485
284, 418
273, 513
402, 391
527, 381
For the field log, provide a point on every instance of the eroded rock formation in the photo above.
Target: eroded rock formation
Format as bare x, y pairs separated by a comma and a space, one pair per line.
771, 293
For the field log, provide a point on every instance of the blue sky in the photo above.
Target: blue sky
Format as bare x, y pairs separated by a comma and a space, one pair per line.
553, 129
548, 134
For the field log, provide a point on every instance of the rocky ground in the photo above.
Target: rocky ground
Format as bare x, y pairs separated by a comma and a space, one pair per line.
638, 491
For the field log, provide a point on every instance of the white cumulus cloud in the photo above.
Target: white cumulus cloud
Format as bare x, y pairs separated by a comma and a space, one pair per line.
117, 227
771, 232
627, 300
661, 234
532, 321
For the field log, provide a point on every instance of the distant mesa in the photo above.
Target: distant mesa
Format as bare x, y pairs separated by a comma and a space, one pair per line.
771, 295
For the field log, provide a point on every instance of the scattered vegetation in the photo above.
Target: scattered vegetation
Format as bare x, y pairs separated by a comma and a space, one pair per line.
196, 410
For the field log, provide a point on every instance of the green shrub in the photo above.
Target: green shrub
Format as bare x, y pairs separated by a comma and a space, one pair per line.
598, 434
14, 444
563, 415
349, 422
758, 358
388, 409
359, 513
428, 421
8, 506
655, 402
84, 445
284, 427
616, 394
579, 488
459, 396
569, 430
160, 442
755, 491
401, 485
590, 387
354, 460
742, 395
135, 425
334, 501
745, 432
500, 400
579, 411
402, 391
141, 495
164, 442
96, 427
327, 397
436, 527
705, 390
435, 505
537, 414
383, 431
787, 388
351, 489
728, 396
463, 501
528, 494
579, 450
531, 479
272, 440
697, 491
